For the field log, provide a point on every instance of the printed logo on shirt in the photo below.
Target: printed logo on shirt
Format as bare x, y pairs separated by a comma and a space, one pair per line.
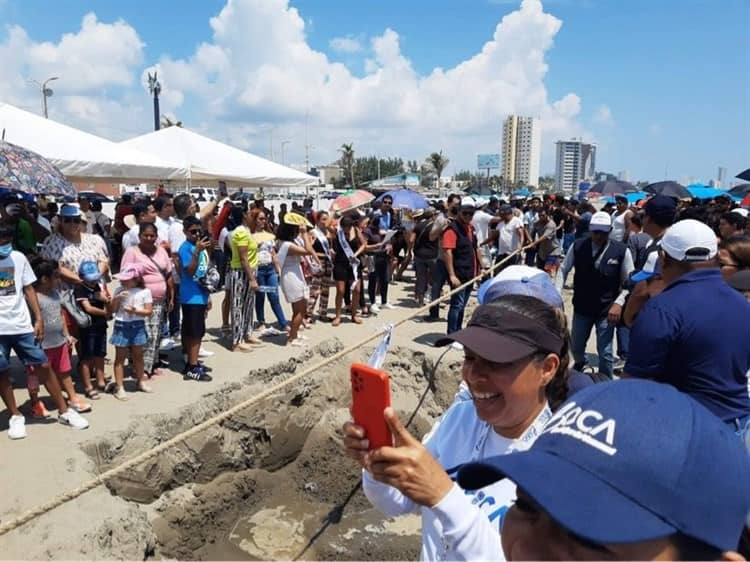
7, 281
613, 261
587, 426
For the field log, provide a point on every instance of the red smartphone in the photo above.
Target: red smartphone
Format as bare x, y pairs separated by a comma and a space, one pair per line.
371, 395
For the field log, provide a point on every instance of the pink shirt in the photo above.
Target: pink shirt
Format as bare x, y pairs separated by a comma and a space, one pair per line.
153, 278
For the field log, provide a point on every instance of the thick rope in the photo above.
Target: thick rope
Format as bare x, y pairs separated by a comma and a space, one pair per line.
181, 437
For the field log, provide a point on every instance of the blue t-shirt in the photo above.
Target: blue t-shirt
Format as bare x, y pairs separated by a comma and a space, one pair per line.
696, 337
190, 291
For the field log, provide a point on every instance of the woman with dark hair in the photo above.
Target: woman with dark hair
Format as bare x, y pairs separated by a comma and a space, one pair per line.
348, 245
243, 282
293, 283
268, 273
225, 238
516, 369
734, 255
378, 259
156, 270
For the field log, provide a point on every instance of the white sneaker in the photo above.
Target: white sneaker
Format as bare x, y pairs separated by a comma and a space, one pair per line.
73, 419
205, 353
388, 306
167, 344
457, 346
17, 427
374, 308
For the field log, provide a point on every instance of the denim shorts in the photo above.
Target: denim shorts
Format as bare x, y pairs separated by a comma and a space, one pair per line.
126, 334
29, 351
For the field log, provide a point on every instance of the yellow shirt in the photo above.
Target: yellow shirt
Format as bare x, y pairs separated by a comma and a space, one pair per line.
241, 237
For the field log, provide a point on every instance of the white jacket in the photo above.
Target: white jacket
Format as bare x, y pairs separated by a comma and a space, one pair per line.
465, 525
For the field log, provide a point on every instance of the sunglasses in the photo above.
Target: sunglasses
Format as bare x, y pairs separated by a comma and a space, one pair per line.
387, 202
68, 220
194, 231
467, 213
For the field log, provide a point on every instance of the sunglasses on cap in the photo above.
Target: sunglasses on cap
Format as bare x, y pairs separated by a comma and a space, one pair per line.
69, 220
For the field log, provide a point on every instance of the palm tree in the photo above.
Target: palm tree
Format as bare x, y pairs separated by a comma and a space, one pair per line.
167, 121
436, 163
347, 160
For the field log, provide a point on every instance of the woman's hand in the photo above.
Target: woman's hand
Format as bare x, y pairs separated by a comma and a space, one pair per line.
356, 444
408, 466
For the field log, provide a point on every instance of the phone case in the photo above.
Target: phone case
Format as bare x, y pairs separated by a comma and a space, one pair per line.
371, 395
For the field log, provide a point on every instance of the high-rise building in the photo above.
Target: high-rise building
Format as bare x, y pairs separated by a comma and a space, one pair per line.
623, 175
576, 162
721, 176
521, 146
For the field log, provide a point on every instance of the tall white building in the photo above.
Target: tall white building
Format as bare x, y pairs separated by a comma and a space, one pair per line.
576, 162
521, 146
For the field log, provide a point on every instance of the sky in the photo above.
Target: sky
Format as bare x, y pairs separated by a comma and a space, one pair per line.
661, 86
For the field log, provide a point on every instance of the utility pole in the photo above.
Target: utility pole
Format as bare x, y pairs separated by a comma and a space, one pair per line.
154, 88
46, 93
283, 144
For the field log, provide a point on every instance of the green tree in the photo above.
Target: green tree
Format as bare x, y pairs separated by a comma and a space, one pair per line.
347, 161
436, 163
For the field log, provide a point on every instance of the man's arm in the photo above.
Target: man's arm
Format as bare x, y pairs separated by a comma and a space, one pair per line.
651, 341
567, 265
626, 269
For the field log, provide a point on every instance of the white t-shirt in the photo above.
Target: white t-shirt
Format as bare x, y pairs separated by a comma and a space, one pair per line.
138, 298
481, 222
15, 274
175, 236
90, 221
162, 227
508, 238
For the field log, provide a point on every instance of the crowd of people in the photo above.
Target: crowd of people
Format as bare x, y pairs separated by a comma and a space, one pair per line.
667, 281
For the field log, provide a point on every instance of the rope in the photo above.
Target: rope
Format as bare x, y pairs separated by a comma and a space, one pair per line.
181, 437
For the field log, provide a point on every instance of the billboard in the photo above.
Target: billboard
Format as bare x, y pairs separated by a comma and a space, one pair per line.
488, 161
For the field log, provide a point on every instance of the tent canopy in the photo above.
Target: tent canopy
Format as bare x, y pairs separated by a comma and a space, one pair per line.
82, 156
210, 160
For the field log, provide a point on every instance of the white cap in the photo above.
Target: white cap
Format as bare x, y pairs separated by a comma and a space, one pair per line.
600, 222
690, 240
741, 212
468, 202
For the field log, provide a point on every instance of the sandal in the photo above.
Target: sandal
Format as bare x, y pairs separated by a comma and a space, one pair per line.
336, 322
92, 394
325, 319
110, 388
356, 319
79, 406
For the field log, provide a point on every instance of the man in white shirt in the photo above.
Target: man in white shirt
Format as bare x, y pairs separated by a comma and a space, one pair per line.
85, 206
164, 217
143, 211
482, 221
530, 218
509, 236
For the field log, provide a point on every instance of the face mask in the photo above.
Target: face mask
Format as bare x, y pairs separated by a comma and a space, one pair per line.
6, 249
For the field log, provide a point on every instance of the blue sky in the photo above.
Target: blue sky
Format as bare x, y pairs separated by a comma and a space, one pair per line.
662, 84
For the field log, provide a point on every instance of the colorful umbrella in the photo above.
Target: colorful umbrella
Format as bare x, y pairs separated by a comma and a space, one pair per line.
351, 200
406, 199
669, 188
27, 171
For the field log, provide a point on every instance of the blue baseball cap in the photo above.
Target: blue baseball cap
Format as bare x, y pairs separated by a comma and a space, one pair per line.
71, 211
630, 461
89, 271
520, 280
649, 270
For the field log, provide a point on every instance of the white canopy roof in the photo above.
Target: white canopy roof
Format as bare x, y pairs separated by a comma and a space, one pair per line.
82, 156
207, 159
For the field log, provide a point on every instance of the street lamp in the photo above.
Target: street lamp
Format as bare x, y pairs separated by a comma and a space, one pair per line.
46, 93
283, 144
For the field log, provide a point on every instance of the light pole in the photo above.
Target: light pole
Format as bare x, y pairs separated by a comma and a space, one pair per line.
283, 144
46, 93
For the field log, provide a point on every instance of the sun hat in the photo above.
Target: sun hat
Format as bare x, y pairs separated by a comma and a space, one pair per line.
520, 280
600, 222
129, 271
649, 269
89, 271
296, 219
624, 471
690, 240
503, 336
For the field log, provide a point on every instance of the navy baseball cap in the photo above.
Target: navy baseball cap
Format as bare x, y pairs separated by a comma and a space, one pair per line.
661, 208
631, 461
520, 280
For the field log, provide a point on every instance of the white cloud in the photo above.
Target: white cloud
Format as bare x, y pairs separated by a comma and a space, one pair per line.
603, 115
347, 45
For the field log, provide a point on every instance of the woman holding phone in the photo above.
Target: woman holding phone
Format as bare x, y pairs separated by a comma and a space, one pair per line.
515, 366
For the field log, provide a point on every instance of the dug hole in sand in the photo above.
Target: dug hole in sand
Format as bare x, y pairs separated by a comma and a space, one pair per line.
272, 482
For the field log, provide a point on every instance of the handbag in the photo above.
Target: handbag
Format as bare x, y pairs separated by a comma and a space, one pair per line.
71, 306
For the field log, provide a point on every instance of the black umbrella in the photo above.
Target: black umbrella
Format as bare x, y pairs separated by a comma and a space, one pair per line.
744, 175
740, 190
670, 188
612, 187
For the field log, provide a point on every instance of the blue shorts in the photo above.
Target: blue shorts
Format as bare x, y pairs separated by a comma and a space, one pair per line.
93, 342
29, 351
126, 334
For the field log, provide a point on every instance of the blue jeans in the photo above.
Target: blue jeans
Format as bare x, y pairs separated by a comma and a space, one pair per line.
268, 281
457, 307
623, 341
604, 335
439, 278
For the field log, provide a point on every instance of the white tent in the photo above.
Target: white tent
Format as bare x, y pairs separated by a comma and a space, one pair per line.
210, 160
82, 156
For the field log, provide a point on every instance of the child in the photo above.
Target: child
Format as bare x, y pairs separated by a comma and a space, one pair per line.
57, 341
93, 340
131, 304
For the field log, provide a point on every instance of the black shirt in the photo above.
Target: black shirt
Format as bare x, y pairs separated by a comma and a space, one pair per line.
92, 294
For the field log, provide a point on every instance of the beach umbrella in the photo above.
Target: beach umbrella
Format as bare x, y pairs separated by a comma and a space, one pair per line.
612, 187
746, 201
406, 199
28, 172
744, 175
351, 200
700, 191
669, 188
740, 190
632, 197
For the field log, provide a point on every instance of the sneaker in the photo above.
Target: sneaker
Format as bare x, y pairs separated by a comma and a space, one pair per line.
73, 419
17, 427
457, 346
163, 362
167, 344
374, 308
145, 388
38, 410
205, 353
388, 306
275, 331
197, 374
121, 394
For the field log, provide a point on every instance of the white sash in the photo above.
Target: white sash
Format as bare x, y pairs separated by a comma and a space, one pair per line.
353, 261
323, 239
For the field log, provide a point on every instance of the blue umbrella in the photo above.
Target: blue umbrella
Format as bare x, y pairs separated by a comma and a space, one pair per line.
522, 193
406, 199
700, 191
633, 197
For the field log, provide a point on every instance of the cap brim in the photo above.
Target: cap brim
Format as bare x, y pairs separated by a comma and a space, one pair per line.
642, 276
489, 344
583, 505
599, 228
